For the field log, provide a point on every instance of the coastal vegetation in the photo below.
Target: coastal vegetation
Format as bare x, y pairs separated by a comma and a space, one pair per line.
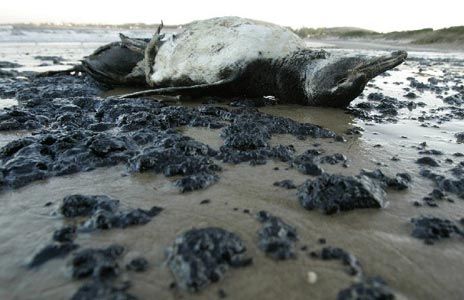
420, 36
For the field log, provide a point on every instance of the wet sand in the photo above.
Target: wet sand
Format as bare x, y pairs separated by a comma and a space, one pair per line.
379, 238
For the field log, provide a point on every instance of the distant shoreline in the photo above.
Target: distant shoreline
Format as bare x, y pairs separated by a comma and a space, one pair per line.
342, 37
444, 39
74, 26
379, 44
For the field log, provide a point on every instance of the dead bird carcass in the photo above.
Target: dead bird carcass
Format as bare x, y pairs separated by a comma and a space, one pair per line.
231, 56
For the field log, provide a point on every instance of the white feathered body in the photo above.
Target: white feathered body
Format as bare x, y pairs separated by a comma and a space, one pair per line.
211, 50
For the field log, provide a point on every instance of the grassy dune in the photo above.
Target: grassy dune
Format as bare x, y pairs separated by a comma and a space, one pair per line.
454, 35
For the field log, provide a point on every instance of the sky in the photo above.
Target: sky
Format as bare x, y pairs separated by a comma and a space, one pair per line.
386, 15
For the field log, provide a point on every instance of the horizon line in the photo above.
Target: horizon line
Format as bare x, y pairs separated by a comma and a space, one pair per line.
72, 24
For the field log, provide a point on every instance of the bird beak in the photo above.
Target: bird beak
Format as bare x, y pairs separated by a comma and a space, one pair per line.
376, 66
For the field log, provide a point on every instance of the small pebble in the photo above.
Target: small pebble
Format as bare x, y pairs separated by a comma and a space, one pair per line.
206, 201
312, 277
222, 294
138, 264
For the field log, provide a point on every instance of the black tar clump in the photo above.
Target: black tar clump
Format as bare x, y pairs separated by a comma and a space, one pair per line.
334, 193
86, 205
76, 131
399, 182
138, 264
102, 267
201, 256
373, 288
102, 290
276, 237
104, 212
51, 251
287, 184
65, 234
448, 184
106, 220
97, 263
335, 253
248, 136
432, 229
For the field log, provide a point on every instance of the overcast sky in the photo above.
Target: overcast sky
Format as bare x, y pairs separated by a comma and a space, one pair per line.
387, 15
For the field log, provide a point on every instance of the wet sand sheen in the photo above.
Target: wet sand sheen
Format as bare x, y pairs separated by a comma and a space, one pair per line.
379, 238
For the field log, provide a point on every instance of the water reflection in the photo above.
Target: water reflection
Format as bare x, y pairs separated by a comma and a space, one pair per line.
5, 103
